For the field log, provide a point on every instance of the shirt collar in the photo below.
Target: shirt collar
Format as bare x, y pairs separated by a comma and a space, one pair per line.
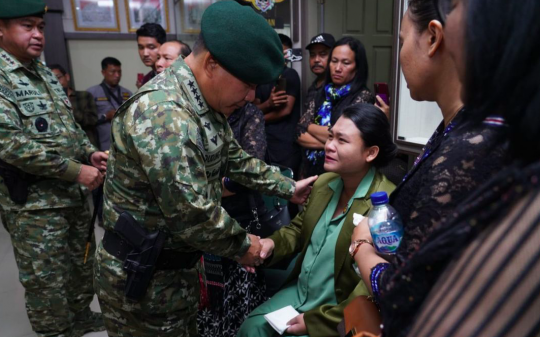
362, 189
8, 62
189, 85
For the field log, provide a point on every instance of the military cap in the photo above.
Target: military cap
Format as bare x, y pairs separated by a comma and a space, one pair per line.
12, 9
242, 42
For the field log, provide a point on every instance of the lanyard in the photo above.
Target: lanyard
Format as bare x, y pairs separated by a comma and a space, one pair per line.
110, 94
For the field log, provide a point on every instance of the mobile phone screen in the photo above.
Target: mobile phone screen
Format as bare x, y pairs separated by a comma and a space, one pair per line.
381, 89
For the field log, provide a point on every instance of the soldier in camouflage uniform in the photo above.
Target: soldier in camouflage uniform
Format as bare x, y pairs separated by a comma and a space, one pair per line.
42, 150
171, 147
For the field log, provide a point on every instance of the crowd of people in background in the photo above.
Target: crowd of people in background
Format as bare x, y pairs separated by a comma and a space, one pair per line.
468, 262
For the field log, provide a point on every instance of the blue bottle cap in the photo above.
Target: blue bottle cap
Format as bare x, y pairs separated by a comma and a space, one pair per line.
379, 198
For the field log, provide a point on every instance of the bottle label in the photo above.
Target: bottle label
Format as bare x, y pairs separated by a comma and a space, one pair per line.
387, 243
387, 237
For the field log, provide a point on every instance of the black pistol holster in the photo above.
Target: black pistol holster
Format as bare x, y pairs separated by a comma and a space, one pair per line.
16, 181
140, 262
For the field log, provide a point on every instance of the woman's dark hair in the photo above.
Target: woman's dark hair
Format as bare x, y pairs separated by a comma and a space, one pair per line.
422, 12
503, 69
360, 79
360, 59
374, 130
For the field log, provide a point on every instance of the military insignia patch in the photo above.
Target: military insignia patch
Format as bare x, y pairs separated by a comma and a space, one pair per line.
195, 94
5, 91
41, 124
42, 105
29, 106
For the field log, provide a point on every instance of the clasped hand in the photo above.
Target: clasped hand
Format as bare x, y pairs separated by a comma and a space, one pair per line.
259, 250
92, 175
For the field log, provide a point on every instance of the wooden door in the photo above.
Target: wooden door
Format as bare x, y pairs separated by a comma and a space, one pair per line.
370, 21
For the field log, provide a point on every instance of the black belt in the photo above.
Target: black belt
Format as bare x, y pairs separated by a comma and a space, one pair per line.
168, 259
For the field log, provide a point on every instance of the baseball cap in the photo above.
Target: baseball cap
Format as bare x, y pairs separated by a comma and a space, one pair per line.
324, 39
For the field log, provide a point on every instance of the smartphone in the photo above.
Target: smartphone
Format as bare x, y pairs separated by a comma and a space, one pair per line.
140, 77
281, 84
381, 89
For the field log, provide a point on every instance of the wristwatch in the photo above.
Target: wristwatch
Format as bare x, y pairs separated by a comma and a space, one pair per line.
356, 244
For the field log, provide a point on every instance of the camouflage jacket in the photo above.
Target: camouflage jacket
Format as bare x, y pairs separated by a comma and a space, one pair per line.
39, 135
169, 152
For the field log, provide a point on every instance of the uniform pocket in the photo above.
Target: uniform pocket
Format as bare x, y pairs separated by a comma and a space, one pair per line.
37, 118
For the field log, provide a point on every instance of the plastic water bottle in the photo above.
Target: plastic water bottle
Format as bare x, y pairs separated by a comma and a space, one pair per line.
384, 224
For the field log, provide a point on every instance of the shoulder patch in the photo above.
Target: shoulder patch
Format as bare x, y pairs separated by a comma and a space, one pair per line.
6, 92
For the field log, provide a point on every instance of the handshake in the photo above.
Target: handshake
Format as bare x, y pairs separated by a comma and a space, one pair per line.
259, 250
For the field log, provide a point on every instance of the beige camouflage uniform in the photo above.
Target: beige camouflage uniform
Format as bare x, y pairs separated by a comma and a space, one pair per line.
38, 134
169, 152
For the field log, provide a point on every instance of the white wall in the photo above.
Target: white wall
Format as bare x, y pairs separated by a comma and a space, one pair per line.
86, 55
416, 120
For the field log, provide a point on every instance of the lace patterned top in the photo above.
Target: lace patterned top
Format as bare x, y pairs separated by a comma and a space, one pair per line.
457, 163
458, 160
308, 117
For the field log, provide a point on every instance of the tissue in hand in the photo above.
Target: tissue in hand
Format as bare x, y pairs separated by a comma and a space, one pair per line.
279, 318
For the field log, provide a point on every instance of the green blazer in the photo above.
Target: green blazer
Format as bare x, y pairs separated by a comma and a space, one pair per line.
294, 238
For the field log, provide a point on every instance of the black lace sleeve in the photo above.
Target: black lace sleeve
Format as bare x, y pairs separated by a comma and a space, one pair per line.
365, 96
307, 118
463, 161
460, 164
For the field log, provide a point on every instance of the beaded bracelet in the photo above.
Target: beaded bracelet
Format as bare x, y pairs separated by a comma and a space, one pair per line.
375, 274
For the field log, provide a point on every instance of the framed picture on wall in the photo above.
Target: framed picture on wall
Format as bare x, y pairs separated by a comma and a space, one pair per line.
140, 12
95, 15
191, 12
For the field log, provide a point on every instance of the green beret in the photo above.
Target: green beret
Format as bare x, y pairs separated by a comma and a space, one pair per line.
243, 42
12, 9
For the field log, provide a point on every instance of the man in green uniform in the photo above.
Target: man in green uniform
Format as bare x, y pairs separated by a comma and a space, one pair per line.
43, 181
171, 148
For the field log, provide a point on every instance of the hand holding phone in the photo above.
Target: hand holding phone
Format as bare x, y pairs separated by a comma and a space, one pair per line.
281, 84
381, 90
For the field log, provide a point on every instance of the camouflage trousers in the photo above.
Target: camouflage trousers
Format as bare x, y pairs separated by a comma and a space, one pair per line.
169, 308
49, 248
